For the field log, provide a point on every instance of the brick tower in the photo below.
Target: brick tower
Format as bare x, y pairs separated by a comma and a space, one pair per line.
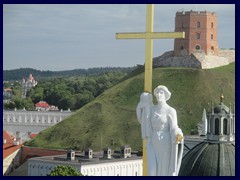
200, 33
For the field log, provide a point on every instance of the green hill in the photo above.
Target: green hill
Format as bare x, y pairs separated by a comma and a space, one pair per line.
110, 120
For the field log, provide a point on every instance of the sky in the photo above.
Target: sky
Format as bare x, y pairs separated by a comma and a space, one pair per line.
76, 36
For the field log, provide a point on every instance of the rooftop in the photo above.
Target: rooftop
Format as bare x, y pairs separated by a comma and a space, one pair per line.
209, 159
42, 104
81, 159
9, 147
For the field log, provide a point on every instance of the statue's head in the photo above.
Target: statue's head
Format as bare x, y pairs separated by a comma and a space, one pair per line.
161, 91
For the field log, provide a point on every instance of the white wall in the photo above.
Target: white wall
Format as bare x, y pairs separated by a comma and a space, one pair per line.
119, 168
31, 121
129, 167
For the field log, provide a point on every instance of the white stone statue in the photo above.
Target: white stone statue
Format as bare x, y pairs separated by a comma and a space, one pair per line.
202, 126
164, 137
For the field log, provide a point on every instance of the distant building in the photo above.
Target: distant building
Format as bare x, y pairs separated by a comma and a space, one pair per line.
28, 84
200, 29
199, 49
7, 95
88, 163
22, 123
8, 90
11, 152
215, 156
44, 106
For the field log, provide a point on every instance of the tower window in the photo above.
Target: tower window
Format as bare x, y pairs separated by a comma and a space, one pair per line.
181, 47
225, 126
198, 36
212, 25
211, 36
198, 47
217, 126
198, 24
212, 48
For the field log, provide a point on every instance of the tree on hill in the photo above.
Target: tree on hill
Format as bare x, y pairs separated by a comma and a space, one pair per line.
64, 171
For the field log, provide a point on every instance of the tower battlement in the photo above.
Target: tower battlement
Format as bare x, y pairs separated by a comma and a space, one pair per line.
196, 13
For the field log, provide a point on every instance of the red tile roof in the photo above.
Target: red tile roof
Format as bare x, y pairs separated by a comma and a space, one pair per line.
8, 90
33, 135
42, 104
9, 147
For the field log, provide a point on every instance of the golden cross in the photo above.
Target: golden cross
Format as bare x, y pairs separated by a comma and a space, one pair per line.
149, 35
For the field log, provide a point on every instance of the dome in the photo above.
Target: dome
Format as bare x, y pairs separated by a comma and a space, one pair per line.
221, 108
209, 159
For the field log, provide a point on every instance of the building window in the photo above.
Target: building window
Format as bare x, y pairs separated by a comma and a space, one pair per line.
225, 124
181, 47
198, 24
136, 173
198, 47
211, 36
212, 48
182, 24
212, 25
217, 126
198, 36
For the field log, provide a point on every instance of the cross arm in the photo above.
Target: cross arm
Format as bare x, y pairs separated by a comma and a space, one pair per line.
152, 35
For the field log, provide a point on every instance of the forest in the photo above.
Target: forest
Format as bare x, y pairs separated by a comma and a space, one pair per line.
64, 92
18, 74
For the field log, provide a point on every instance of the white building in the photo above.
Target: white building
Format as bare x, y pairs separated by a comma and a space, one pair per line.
22, 123
28, 84
98, 164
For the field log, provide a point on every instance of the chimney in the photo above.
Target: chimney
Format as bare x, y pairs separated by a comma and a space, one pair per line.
70, 155
125, 151
16, 142
107, 153
88, 153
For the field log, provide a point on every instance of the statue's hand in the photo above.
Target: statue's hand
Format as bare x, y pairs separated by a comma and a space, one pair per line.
146, 97
179, 137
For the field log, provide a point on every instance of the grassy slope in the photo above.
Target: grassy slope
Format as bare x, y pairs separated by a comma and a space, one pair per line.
111, 116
